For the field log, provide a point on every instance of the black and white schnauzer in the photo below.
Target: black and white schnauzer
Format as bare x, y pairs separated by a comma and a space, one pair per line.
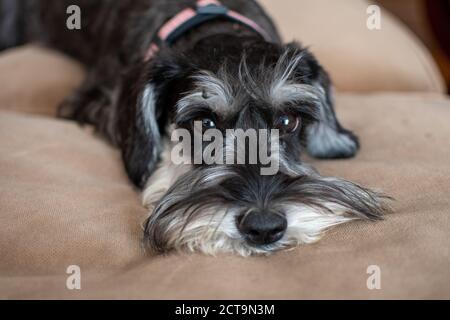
158, 66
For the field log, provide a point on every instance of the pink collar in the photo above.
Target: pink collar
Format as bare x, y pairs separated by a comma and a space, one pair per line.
189, 18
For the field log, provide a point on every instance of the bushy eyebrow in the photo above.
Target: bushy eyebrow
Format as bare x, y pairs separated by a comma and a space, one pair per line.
299, 98
209, 91
302, 107
296, 92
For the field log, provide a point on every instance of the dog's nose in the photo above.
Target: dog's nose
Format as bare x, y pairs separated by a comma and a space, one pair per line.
262, 227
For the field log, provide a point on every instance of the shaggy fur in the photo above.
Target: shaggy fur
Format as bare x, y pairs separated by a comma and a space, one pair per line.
226, 74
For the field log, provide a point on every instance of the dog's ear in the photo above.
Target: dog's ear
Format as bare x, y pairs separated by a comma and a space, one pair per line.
326, 138
148, 93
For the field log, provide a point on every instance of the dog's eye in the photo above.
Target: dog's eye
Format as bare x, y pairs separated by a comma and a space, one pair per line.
208, 123
287, 123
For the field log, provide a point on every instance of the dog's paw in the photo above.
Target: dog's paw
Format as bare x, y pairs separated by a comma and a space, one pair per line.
326, 143
67, 109
84, 107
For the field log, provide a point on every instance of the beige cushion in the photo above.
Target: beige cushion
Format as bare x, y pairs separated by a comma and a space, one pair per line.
390, 59
65, 200
49, 75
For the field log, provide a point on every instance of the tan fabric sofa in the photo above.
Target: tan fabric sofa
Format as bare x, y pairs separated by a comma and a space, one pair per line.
65, 200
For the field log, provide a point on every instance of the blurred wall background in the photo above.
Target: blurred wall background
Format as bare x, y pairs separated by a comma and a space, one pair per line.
430, 21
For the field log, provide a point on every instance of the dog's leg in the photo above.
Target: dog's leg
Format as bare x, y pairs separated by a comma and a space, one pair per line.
94, 102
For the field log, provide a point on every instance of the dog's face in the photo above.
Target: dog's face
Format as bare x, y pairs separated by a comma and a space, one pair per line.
251, 193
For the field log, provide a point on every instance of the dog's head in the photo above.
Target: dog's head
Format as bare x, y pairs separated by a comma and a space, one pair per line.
217, 145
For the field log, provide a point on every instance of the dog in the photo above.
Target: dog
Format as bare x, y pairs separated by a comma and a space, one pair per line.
157, 67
